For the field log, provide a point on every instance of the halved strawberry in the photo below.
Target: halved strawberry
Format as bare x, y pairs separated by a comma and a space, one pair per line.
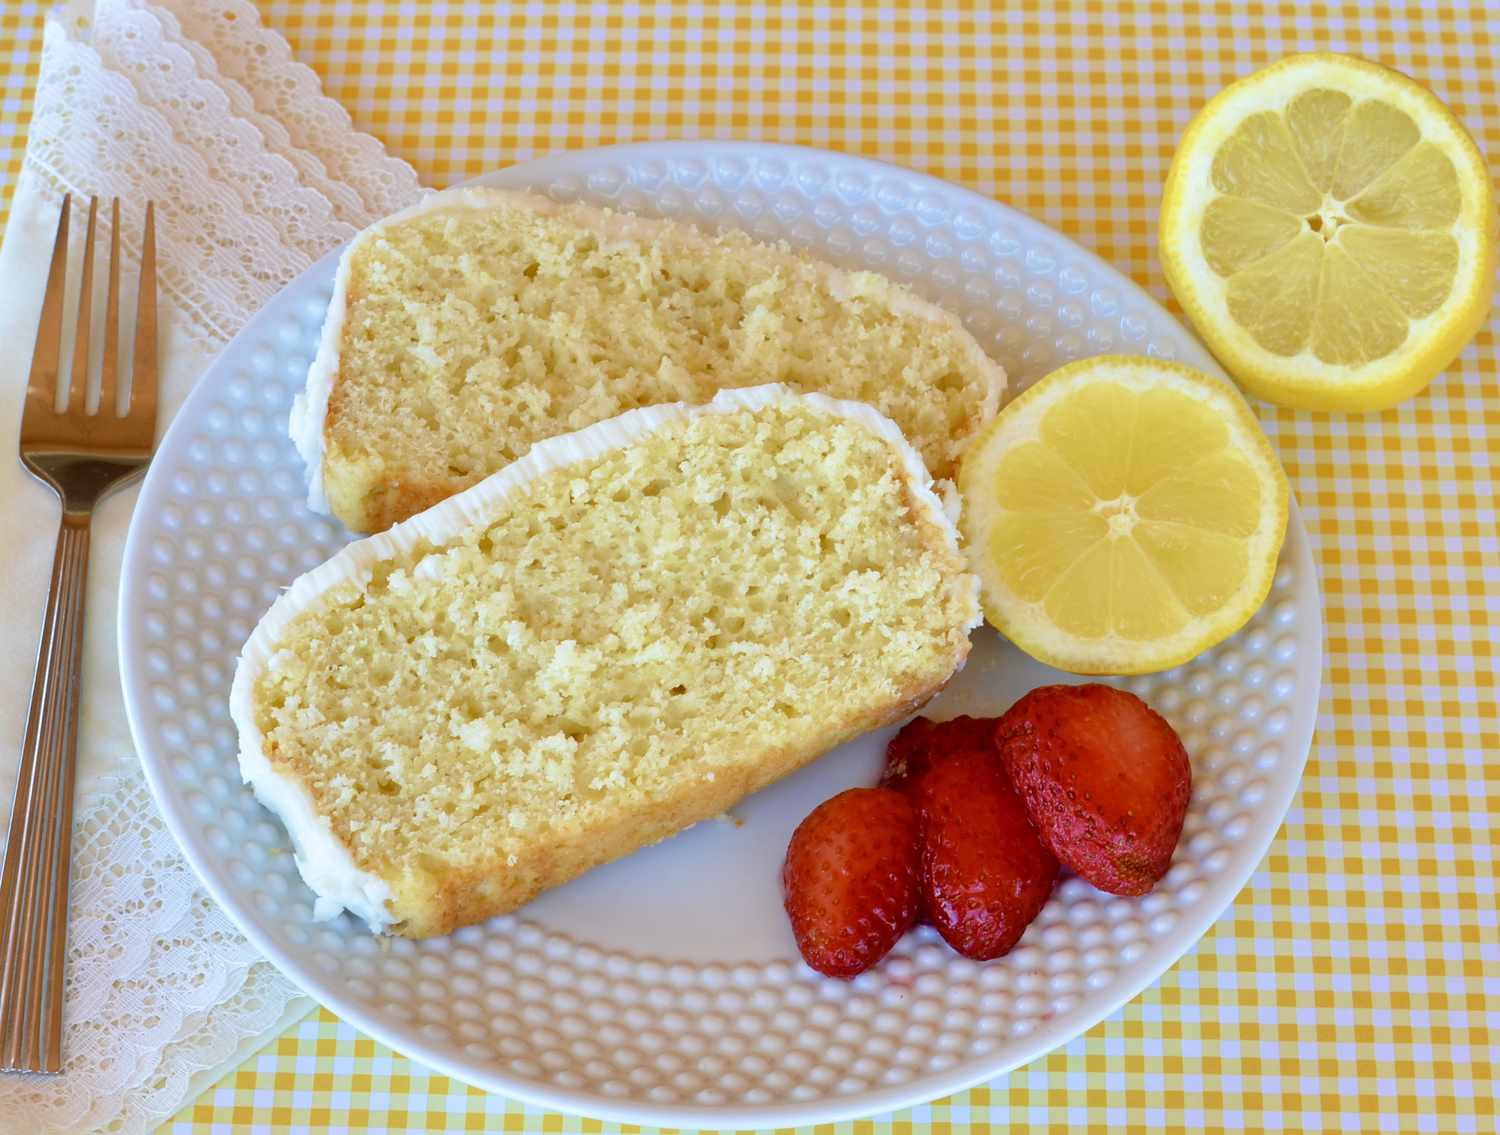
985, 874
1104, 778
850, 879
912, 749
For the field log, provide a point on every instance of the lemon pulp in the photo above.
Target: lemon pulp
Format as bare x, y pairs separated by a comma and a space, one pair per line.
1327, 226
1123, 515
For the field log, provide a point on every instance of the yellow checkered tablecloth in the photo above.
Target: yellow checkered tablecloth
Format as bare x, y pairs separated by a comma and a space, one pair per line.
1355, 984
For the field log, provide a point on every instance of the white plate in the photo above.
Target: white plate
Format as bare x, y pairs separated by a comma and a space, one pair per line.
665, 988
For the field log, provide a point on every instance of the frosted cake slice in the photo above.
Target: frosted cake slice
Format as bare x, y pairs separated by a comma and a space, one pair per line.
480, 321
617, 636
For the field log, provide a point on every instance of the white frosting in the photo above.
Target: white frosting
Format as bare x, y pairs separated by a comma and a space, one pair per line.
324, 861
310, 408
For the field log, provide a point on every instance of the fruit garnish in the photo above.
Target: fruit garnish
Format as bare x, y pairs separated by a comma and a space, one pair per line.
985, 873
911, 750
1328, 226
1104, 778
1123, 515
851, 879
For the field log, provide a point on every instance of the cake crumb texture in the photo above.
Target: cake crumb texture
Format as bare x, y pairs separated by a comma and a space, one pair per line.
622, 647
472, 331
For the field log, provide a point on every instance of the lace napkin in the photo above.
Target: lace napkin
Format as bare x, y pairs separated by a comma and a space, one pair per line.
255, 174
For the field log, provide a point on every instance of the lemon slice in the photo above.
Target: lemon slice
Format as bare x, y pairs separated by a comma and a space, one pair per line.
1327, 225
1123, 515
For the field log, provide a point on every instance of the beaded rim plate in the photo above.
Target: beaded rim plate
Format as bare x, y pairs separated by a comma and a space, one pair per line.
665, 989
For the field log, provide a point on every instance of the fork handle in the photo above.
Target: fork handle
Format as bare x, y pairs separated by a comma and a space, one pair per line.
34, 879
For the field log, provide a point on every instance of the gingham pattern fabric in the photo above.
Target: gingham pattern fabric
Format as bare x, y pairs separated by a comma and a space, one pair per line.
1355, 984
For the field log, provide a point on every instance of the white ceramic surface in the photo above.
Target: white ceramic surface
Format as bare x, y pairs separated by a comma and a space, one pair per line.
665, 988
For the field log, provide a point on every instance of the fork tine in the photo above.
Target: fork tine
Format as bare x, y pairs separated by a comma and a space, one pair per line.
143, 371
78, 378
41, 386
108, 371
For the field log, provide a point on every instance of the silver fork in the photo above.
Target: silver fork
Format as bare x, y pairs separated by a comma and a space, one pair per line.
82, 454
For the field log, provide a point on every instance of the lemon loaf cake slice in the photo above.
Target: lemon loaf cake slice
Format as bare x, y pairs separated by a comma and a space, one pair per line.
617, 636
480, 321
